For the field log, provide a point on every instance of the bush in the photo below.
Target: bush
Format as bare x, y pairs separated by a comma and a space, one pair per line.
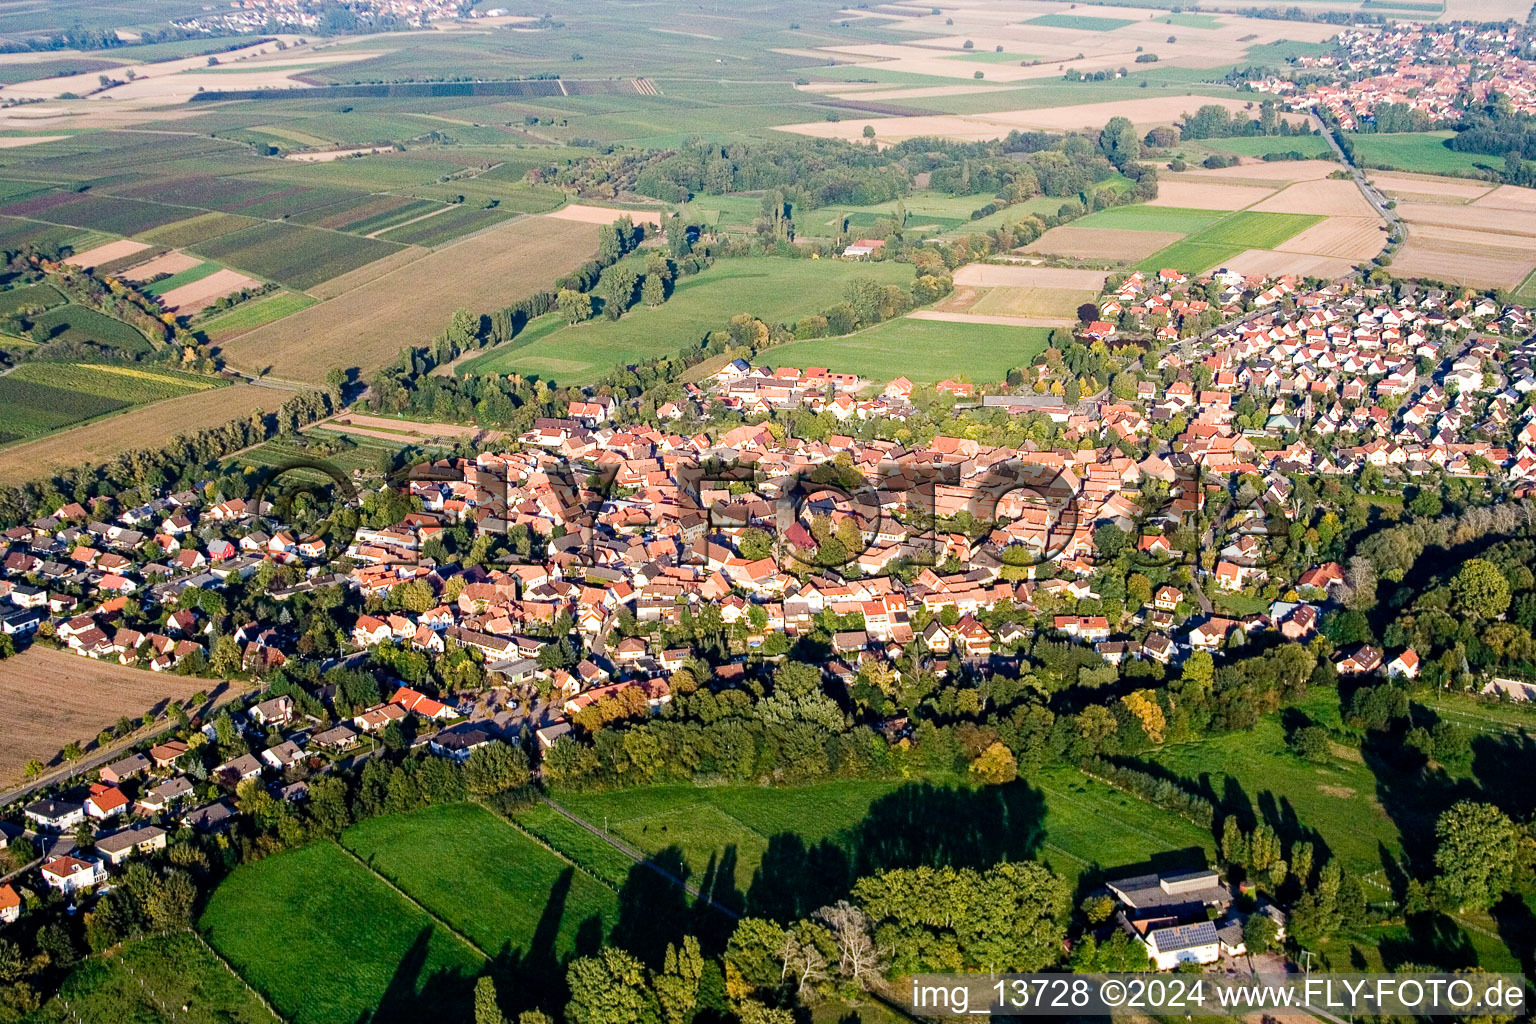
1309, 742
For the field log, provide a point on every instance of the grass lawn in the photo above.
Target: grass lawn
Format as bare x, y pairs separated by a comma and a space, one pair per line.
1226, 238
1527, 290
510, 893
993, 57
722, 211
924, 350
772, 288
1190, 20
596, 855
250, 315
1079, 21
1482, 714
1425, 152
327, 942
708, 823
1338, 799
1042, 205
1240, 604
1085, 826
1090, 826
935, 209
1150, 218
191, 274
139, 980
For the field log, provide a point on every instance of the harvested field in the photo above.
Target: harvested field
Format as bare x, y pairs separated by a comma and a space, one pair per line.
996, 319
367, 326
48, 698
1349, 238
1471, 218
170, 263
1268, 263
199, 295
1051, 303
1102, 243
106, 253
99, 441
406, 430
1262, 171
1438, 189
1200, 196
988, 275
1462, 264
17, 141
1330, 197
604, 214
1144, 113
1508, 197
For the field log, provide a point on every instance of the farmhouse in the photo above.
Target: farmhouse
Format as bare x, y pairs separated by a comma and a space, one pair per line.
1171, 946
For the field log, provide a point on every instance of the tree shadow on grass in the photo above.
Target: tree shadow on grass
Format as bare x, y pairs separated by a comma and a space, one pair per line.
1517, 930
654, 907
792, 880
535, 977
936, 826
410, 996
1433, 940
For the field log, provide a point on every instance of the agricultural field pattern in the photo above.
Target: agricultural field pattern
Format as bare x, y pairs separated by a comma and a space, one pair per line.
714, 511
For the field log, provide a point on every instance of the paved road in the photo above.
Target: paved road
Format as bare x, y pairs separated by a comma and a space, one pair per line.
1375, 198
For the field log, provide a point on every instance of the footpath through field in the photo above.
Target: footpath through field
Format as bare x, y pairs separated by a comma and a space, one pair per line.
640, 858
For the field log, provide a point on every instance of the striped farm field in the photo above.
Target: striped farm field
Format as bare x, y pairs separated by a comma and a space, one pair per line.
196, 229
79, 323
298, 257
39, 398
132, 428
